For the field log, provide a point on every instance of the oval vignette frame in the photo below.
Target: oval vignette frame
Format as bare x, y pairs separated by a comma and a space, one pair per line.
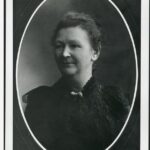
136, 74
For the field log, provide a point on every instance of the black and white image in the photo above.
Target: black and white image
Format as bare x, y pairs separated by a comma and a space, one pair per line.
77, 76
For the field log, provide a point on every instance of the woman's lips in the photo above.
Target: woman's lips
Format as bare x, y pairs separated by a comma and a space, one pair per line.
67, 63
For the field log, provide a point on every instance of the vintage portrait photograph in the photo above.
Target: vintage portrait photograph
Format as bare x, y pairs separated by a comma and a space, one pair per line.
76, 69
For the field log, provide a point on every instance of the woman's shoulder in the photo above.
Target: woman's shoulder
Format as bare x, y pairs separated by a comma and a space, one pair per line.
36, 94
115, 98
38, 99
114, 92
41, 93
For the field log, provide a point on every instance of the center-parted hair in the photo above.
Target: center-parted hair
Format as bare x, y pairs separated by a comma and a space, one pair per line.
84, 21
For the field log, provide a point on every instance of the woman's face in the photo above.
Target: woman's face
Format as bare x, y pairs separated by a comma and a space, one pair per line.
73, 51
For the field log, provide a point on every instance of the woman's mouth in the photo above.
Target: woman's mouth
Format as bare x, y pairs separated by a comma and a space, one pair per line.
67, 63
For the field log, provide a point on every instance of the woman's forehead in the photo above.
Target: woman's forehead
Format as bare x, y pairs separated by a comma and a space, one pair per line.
72, 34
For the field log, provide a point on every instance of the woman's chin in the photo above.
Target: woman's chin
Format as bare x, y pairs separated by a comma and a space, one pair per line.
68, 72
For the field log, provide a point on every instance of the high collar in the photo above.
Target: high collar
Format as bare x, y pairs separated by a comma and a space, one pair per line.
88, 88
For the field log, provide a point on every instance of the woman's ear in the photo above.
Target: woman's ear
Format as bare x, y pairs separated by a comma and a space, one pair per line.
95, 55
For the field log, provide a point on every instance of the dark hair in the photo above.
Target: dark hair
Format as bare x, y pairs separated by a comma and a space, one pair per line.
86, 22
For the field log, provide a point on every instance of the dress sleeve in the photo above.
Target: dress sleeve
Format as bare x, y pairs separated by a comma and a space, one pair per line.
35, 100
118, 106
117, 101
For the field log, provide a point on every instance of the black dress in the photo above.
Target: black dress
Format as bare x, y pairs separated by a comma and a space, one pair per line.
62, 120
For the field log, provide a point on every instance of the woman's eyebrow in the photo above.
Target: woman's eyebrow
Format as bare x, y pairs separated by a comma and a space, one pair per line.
74, 41
59, 42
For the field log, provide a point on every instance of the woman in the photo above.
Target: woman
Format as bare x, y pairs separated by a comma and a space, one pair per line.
76, 113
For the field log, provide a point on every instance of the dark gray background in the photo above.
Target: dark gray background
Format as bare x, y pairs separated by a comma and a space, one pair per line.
36, 66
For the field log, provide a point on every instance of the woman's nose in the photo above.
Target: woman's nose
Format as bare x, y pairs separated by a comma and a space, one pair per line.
66, 52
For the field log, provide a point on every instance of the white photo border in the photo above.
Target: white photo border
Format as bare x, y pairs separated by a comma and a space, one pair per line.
144, 116
2, 36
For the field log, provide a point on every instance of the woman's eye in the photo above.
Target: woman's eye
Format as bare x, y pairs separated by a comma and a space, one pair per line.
58, 46
74, 46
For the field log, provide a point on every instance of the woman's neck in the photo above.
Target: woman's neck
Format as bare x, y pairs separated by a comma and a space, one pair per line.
77, 82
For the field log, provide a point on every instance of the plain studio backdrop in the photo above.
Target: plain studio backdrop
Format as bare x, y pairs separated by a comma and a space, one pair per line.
36, 64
